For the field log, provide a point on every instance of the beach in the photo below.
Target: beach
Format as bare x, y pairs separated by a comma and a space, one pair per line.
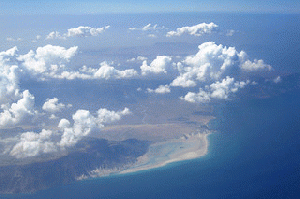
163, 153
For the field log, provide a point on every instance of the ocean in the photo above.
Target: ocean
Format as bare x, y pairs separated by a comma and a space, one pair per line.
254, 153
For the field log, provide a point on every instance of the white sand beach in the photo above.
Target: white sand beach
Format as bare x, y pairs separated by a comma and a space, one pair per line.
163, 153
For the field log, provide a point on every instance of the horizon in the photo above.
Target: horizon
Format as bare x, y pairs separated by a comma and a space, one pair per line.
80, 7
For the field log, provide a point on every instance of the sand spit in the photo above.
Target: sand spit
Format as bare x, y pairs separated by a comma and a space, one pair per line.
162, 153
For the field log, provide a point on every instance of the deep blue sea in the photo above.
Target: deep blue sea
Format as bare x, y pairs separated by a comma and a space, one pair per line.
255, 153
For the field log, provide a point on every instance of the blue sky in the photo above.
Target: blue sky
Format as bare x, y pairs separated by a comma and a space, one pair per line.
17, 7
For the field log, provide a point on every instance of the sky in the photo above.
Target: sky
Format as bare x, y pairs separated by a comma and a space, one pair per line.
30, 7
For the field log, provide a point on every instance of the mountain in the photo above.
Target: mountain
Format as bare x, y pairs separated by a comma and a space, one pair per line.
89, 154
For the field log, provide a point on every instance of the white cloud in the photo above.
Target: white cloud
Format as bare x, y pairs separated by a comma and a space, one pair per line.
138, 58
53, 117
69, 75
9, 88
85, 31
16, 107
162, 89
52, 105
105, 116
9, 53
230, 33
49, 62
148, 27
13, 40
158, 65
221, 90
197, 30
85, 122
44, 57
105, 71
277, 80
64, 123
34, 144
218, 90
19, 112
214, 62
55, 35
256, 65
81, 31
210, 63
201, 97
152, 36
38, 37
109, 72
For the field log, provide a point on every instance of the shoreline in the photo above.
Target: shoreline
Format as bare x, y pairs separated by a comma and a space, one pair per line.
193, 147
159, 155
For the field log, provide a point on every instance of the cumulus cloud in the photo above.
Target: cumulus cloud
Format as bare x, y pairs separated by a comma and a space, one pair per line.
214, 62
105, 116
9, 89
200, 97
50, 62
16, 107
221, 90
52, 105
34, 144
43, 59
85, 31
197, 30
81, 31
162, 89
109, 72
256, 65
218, 90
85, 122
64, 123
158, 65
19, 112
105, 71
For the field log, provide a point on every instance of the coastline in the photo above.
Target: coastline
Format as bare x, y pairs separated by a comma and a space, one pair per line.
160, 154
163, 153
